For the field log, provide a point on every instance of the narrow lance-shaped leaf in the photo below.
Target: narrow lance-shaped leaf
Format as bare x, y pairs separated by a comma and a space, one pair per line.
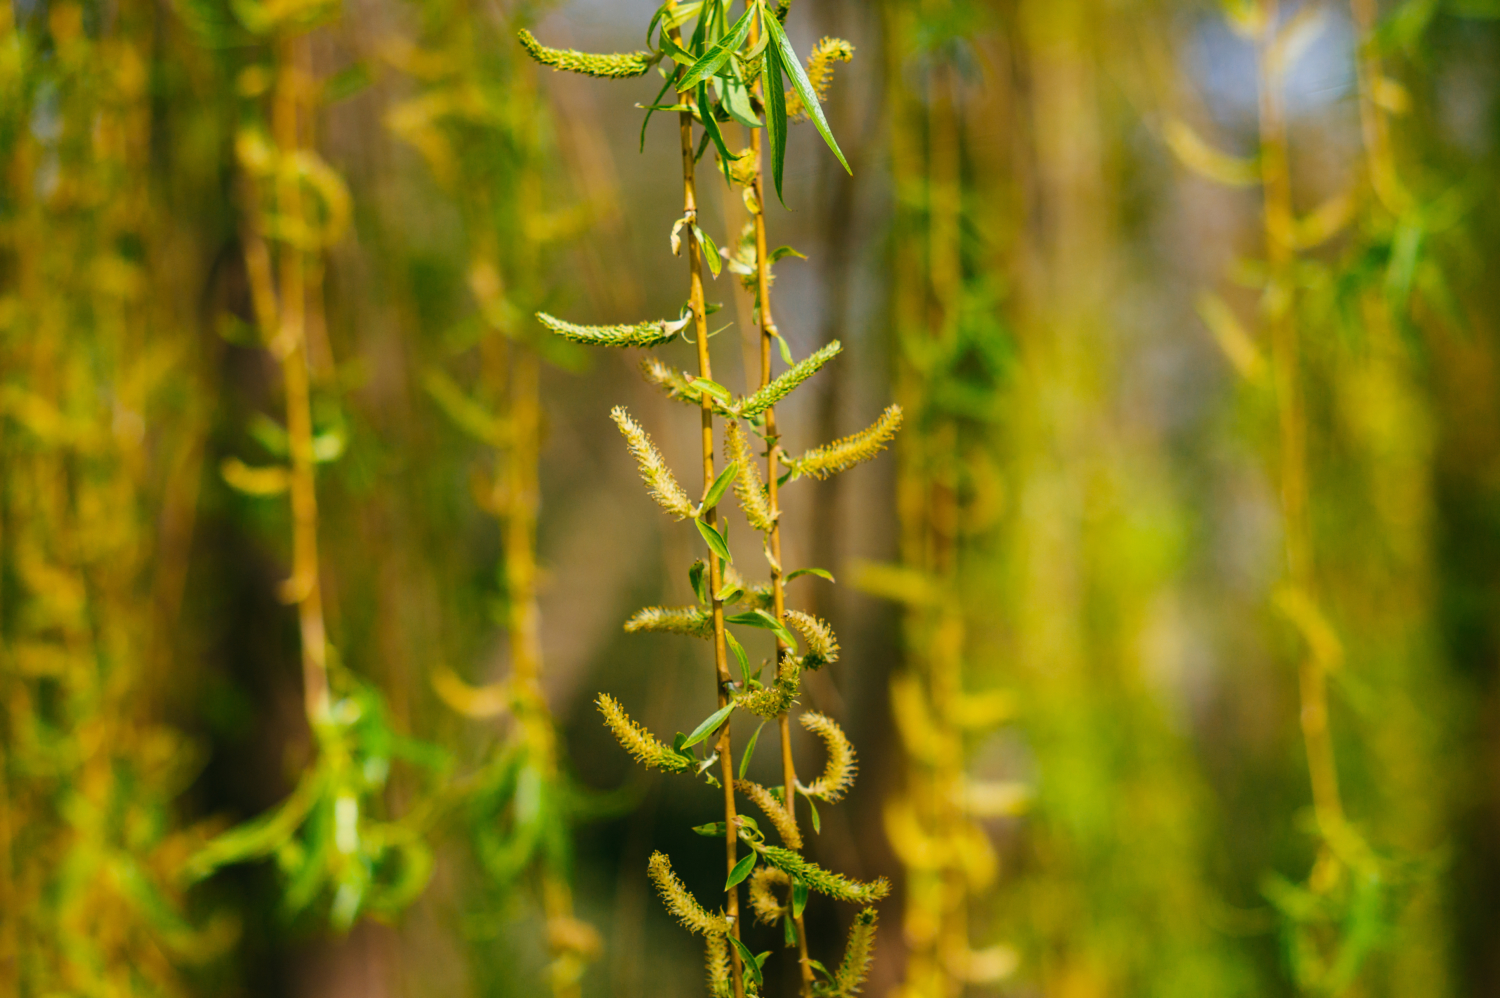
714, 539
751, 964
711, 127
803, 86
741, 871
720, 486
775, 113
714, 59
709, 725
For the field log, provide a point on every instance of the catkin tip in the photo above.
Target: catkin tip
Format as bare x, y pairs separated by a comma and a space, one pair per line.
842, 765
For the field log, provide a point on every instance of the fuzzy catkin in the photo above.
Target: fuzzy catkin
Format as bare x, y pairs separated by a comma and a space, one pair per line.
692, 621
748, 487
826, 882
660, 481
770, 702
841, 455
613, 66
786, 825
765, 398
763, 898
636, 740
842, 765
639, 334
680, 901
822, 645
857, 953
820, 64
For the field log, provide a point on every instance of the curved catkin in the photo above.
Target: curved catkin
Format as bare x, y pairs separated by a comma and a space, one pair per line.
693, 621
786, 825
660, 481
748, 487
764, 883
639, 334
680, 901
857, 953
636, 740
754, 405
844, 454
842, 766
834, 885
822, 645
614, 66
820, 63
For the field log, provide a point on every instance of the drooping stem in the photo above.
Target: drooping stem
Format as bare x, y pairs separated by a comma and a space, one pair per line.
1373, 125
1280, 252
281, 309
768, 333
710, 517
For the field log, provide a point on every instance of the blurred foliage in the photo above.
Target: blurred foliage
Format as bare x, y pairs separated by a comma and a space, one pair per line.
1170, 650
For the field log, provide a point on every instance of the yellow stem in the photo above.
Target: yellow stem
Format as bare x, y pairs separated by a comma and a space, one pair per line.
1281, 257
778, 588
288, 305
710, 517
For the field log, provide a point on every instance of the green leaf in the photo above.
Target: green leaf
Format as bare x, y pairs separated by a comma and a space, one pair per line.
711, 126
741, 871
715, 540
786, 350
713, 830
781, 252
697, 576
815, 965
651, 109
813, 808
714, 59
799, 897
720, 486
788, 931
821, 573
775, 113
739, 653
803, 86
713, 388
748, 960
763, 620
736, 101
750, 750
730, 592
709, 248
710, 723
